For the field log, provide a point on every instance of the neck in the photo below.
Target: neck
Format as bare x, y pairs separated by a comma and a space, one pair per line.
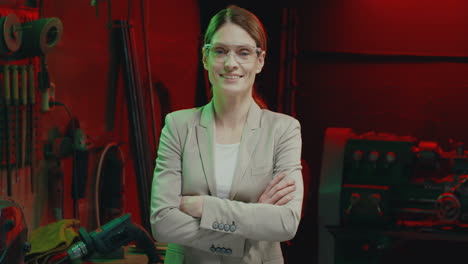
231, 112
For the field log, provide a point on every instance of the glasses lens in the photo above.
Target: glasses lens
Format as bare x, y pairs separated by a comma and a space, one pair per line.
242, 54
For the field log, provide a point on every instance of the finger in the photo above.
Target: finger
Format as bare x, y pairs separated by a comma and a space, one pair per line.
282, 193
275, 181
281, 185
263, 199
286, 199
181, 205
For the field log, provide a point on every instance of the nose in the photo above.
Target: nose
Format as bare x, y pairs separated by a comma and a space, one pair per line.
230, 60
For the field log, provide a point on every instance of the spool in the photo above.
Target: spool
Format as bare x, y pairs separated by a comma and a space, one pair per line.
10, 35
40, 36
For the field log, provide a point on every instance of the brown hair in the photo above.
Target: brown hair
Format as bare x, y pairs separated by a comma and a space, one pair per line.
241, 17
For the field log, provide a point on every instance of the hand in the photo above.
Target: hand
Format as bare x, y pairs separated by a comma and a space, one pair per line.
192, 205
278, 192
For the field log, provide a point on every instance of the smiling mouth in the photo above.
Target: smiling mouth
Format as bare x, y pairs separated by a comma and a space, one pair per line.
230, 77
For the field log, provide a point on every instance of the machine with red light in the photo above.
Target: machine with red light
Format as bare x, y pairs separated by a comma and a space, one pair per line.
376, 188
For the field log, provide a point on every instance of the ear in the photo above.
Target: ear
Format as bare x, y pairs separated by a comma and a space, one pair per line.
261, 61
205, 59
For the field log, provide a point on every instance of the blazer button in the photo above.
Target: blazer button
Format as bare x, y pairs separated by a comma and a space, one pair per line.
218, 250
213, 249
228, 251
233, 228
215, 225
227, 227
221, 226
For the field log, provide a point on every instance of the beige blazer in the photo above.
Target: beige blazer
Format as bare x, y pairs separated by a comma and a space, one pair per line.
238, 229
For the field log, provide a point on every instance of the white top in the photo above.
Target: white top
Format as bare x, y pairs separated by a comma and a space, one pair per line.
225, 164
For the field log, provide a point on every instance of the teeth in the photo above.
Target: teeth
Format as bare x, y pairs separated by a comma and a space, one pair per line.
231, 77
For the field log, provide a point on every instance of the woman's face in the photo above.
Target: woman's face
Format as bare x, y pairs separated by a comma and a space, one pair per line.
234, 74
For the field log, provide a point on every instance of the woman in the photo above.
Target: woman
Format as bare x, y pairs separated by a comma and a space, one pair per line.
227, 185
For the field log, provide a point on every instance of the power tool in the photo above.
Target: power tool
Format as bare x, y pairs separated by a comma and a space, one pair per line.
113, 235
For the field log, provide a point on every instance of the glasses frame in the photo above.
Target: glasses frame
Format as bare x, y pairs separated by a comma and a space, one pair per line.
258, 50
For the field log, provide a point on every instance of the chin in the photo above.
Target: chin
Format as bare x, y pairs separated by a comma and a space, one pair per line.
233, 89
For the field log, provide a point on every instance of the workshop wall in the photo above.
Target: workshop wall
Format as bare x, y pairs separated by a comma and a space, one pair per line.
78, 68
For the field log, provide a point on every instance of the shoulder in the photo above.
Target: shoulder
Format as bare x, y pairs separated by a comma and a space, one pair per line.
184, 116
270, 118
284, 129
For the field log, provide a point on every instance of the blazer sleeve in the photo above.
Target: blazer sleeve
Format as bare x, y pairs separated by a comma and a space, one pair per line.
264, 221
168, 223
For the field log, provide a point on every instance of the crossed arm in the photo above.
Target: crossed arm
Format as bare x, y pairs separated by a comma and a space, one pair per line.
187, 220
277, 192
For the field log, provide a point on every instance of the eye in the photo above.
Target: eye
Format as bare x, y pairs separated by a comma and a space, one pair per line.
245, 52
219, 51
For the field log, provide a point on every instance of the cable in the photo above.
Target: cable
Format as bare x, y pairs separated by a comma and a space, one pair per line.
52, 103
98, 177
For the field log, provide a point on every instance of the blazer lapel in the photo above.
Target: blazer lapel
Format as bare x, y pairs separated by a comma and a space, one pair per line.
205, 137
250, 137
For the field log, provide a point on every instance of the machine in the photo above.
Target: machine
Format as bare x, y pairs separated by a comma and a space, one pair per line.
378, 188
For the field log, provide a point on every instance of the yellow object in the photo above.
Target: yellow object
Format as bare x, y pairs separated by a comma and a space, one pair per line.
51, 239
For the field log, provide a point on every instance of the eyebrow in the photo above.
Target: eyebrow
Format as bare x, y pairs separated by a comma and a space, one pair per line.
224, 44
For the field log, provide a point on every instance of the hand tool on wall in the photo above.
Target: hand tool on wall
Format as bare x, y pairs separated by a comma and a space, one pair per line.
30, 124
23, 102
56, 187
15, 102
56, 147
6, 88
2, 139
44, 85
